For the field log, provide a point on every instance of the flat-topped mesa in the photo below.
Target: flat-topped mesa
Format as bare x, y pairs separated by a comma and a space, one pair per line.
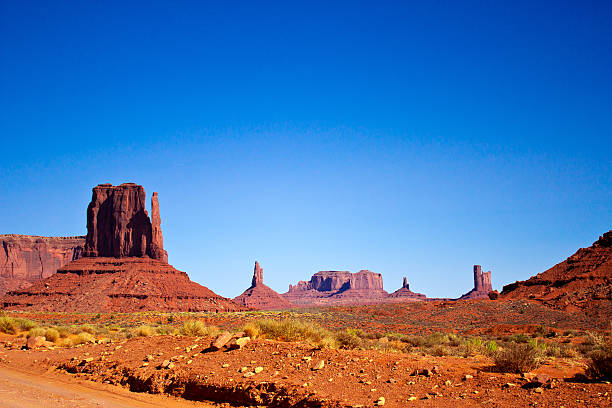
118, 224
257, 275
482, 285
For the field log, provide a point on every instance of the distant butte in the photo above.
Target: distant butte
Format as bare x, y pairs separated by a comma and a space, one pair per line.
405, 294
124, 268
260, 296
482, 285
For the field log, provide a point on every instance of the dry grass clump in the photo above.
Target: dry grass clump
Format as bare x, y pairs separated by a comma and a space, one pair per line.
8, 325
197, 328
600, 364
83, 338
36, 332
143, 331
518, 358
52, 335
86, 328
292, 330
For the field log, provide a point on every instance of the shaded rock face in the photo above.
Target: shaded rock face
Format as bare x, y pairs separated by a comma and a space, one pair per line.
338, 287
260, 296
117, 285
118, 224
404, 294
582, 281
482, 285
25, 259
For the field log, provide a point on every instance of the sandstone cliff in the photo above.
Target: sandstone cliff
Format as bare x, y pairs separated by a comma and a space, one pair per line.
338, 288
25, 259
118, 224
260, 296
584, 280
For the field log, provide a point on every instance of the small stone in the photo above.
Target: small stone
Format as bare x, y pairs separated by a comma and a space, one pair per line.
467, 377
238, 344
539, 390
319, 365
148, 358
258, 370
144, 364
380, 402
306, 358
170, 366
225, 365
243, 369
249, 374
220, 341
189, 361
413, 398
448, 382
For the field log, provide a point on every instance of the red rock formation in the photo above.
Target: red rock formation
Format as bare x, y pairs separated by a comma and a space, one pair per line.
584, 280
338, 287
25, 259
405, 294
482, 285
125, 269
117, 285
260, 296
118, 224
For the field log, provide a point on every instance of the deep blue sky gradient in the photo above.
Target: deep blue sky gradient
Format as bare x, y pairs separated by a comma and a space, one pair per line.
409, 138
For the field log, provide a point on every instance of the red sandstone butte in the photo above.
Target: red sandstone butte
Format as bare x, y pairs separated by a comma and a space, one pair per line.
482, 285
124, 268
405, 294
260, 296
25, 259
338, 288
118, 224
584, 280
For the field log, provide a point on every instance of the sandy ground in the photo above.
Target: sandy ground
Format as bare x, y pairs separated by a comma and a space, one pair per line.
28, 389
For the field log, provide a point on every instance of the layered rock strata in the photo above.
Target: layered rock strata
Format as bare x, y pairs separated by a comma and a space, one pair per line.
338, 288
25, 259
482, 285
584, 280
405, 294
260, 296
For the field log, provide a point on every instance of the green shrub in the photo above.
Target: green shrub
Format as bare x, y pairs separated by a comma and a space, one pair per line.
517, 358
25, 324
519, 338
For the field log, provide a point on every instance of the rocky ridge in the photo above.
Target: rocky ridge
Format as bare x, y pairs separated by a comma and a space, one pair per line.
584, 280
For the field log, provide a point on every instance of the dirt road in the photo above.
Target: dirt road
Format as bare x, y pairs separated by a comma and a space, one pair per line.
21, 389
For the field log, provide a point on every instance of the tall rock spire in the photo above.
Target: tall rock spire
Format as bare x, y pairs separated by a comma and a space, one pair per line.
257, 275
157, 239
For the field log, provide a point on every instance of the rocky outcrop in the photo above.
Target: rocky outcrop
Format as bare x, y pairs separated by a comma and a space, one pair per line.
260, 296
482, 285
338, 287
584, 280
119, 285
25, 259
125, 268
118, 224
405, 294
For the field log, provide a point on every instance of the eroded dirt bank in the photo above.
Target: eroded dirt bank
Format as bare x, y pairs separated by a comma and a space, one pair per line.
272, 373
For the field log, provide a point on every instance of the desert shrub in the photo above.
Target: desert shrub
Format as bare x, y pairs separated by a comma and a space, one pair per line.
197, 328
553, 350
435, 339
536, 345
454, 340
600, 364
491, 347
143, 331
348, 340
251, 330
439, 351
517, 358
87, 329
519, 338
83, 338
415, 341
63, 331
569, 352
52, 335
293, 330
594, 339
8, 325
36, 332
25, 324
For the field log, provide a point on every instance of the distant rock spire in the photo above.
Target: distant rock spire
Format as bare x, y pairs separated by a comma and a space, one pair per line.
257, 275
405, 285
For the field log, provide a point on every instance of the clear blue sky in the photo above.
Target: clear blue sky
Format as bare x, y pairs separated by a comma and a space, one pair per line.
412, 138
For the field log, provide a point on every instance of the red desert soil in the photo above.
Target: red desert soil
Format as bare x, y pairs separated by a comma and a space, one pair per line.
288, 377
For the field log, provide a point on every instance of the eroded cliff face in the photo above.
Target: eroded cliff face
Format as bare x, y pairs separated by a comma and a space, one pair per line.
25, 259
118, 224
338, 287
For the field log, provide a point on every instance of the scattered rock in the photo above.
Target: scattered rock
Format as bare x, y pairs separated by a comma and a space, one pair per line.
220, 341
35, 342
380, 402
319, 365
